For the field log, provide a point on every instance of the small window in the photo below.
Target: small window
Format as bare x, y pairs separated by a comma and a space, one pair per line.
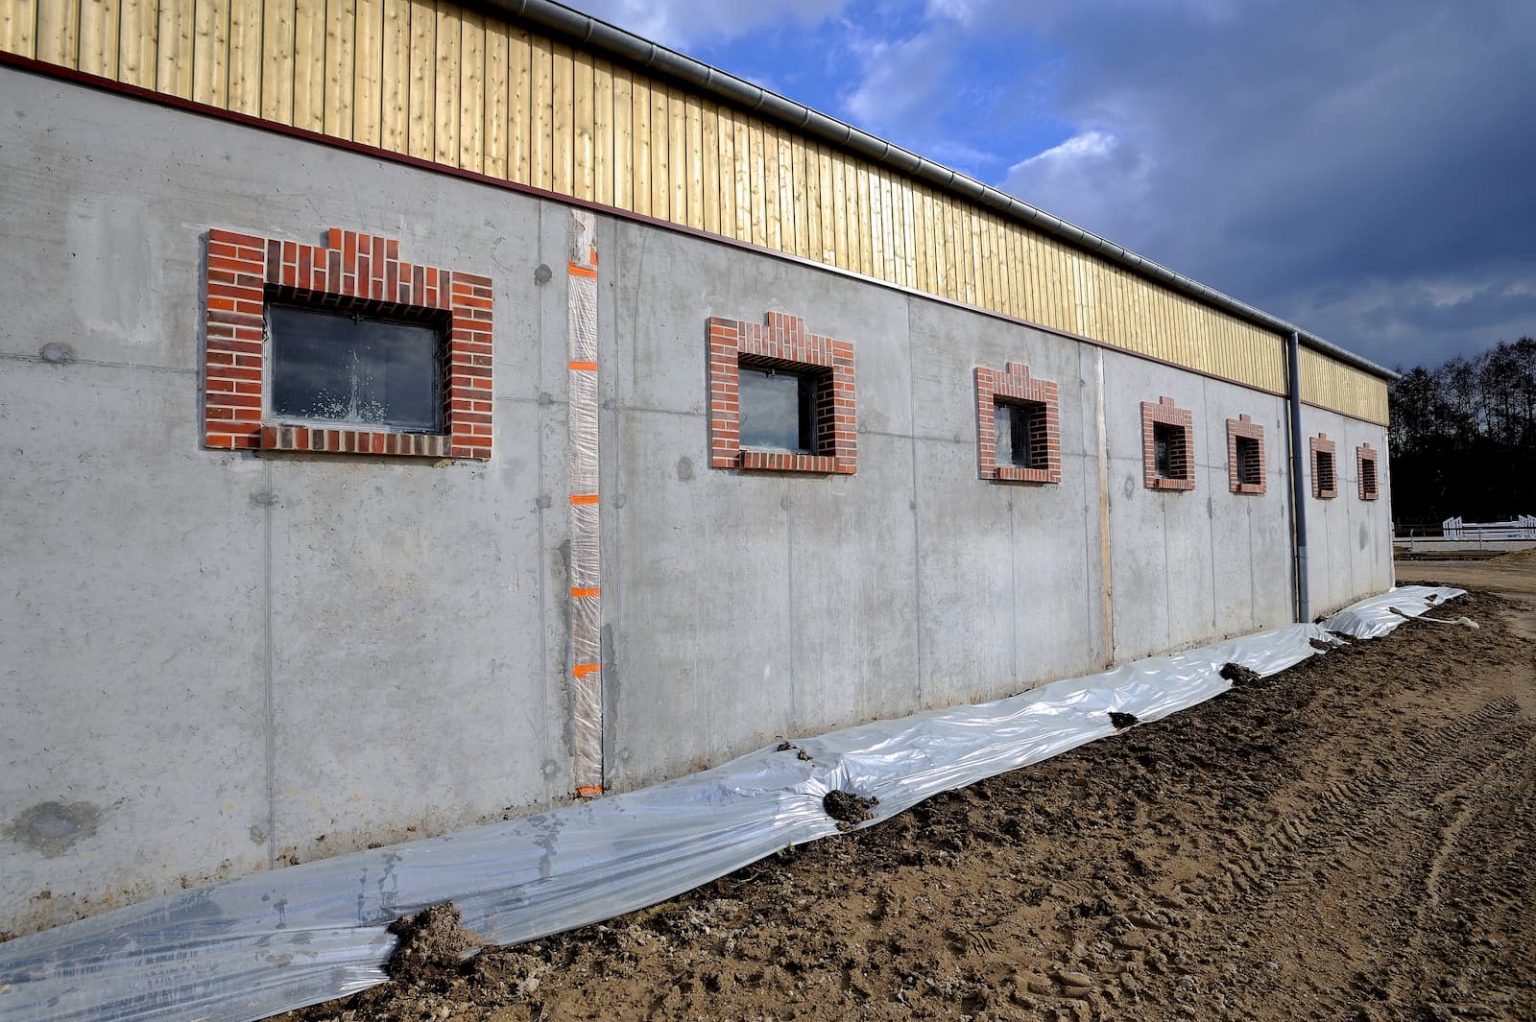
778, 409
1325, 476
1368, 479
360, 371
1021, 434
1169, 457
1250, 463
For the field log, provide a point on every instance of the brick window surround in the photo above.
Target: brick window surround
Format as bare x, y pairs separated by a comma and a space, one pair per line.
1251, 449
351, 271
1327, 465
781, 342
1041, 398
1182, 458
1368, 470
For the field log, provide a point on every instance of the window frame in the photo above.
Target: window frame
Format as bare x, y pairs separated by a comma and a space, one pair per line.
1321, 447
1016, 388
1166, 415
350, 271
781, 342
1243, 430
1366, 455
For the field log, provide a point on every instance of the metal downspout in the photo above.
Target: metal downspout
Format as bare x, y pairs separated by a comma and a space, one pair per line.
1298, 483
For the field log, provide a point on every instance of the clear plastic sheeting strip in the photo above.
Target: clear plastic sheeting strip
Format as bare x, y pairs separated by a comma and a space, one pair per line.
585, 659
1374, 617
247, 948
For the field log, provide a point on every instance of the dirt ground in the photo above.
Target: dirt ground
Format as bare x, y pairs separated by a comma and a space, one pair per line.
1352, 839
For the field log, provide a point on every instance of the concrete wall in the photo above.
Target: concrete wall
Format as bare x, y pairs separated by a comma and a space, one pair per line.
216, 663
1349, 541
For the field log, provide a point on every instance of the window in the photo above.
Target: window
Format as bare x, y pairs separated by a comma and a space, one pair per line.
1365, 459
343, 348
1245, 456
781, 399
1018, 432
1324, 478
778, 409
1167, 438
356, 370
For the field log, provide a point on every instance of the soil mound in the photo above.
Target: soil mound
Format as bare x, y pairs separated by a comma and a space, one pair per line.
848, 809
1239, 675
1123, 720
432, 946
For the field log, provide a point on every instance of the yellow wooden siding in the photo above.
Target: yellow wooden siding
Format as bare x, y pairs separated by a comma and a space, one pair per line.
432, 80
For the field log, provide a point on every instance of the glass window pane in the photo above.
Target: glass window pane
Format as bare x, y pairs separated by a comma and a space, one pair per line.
770, 409
334, 367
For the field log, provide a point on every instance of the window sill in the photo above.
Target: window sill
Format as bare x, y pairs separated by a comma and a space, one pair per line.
1249, 489
775, 461
1018, 474
1326, 494
1164, 483
358, 441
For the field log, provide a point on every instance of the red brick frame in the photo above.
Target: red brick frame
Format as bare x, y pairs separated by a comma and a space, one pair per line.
1245, 428
1365, 453
780, 342
1321, 444
1015, 386
350, 271
1164, 413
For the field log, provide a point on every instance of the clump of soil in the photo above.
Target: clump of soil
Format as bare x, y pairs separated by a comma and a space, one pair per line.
848, 809
1320, 645
432, 946
1239, 675
1123, 720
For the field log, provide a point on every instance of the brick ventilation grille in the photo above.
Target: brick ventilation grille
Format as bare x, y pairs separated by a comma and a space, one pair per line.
1246, 462
1324, 476
350, 271
1365, 463
1040, 401
781, 342
1181, 458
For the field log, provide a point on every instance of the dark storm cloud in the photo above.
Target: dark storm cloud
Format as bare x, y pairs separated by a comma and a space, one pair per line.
1363, 168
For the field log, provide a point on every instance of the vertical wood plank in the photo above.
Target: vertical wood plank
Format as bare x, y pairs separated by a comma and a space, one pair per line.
174, 51
677, 155
641, 172
564, 104
139, 23
727, 171
98, 37
209, 49
661, 135
308, 65
623, 140
445, 84
367, 72
826, 243
786, 185
743, 177
909, 229
472, 92
496, 97
582, 181
758, 153
693, 114
602, 132
709, 154
868, 194
808, 200
421, 93
519, 107
395, 77
18, 27
839, 212
772, 222
277, 42
58, 39
541, 136
245, 57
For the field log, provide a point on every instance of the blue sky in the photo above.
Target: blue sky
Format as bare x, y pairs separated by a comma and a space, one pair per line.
1366, 168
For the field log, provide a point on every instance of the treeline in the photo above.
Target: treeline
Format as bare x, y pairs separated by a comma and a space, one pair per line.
1464, 438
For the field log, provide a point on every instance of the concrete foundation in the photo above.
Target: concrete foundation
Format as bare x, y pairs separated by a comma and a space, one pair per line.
216, 663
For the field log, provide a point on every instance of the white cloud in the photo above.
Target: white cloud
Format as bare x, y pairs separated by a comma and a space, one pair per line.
1093, 179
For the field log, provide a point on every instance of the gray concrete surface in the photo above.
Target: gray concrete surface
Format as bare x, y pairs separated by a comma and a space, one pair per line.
215, 663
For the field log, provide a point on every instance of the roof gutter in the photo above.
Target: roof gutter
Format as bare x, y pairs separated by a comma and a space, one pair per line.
625, 46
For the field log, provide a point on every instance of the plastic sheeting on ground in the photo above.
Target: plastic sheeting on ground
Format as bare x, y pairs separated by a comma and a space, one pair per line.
1374, 617
251, 947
